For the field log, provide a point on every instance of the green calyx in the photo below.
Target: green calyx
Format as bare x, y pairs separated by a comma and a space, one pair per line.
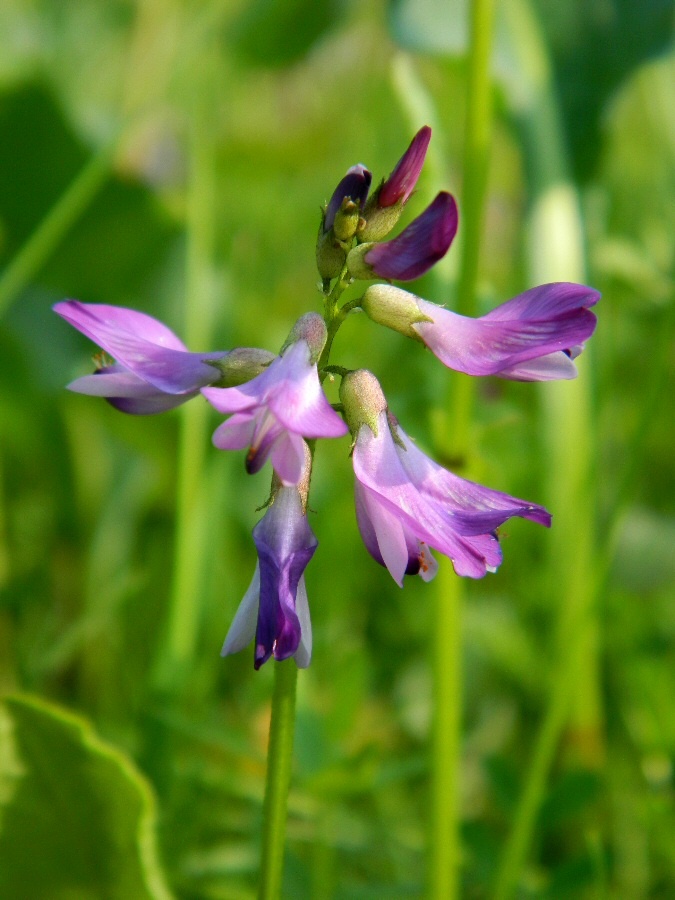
393, 307
377, 220
310, 328
362, 400
241, 365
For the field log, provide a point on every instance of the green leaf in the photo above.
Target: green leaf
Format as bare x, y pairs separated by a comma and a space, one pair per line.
76, 818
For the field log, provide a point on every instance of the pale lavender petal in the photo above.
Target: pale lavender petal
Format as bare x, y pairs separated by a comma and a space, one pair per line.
127, 392
236, 433
127, 335
242, 629
288, 457
299, 402
382, 532
552, 367
100, 322
303, 655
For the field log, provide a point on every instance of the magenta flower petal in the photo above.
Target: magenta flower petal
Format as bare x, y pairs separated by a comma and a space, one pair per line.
419, 246
401, 183
142, 345
529, 338
407, 504
275, 608
126, 392
284, 404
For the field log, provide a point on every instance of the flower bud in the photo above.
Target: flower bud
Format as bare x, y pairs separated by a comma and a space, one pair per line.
310, 328
385, 206
393, 307
362, 399
241, 365
340, 220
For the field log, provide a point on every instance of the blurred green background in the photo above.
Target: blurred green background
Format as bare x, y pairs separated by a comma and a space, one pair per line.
172, 157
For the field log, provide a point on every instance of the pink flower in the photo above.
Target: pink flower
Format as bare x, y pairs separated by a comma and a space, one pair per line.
154, 369
533, 337
407, 504
283, 405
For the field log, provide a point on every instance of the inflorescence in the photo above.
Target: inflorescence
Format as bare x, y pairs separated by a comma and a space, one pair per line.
406, 504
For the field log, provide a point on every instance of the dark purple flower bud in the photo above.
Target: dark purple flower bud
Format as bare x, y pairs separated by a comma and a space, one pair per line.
415, 250
154, 371
401, 183
339, 221
354, 187
275, 608
385, 205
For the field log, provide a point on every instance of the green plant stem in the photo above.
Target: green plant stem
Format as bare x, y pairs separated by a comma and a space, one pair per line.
556, 253
56, 224
279, 762
445, 840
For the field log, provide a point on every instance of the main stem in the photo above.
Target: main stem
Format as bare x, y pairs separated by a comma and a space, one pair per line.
279, 761
445, 839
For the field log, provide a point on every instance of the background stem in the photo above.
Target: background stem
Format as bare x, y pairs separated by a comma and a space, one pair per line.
445, 825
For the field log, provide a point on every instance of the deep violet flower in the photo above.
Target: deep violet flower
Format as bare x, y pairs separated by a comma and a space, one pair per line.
415, 250
354, 187
406, 503
283, 405
275, 607
533, 337
154, 371
386, 203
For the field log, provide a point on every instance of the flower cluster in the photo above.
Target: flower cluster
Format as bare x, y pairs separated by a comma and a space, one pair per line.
406, 504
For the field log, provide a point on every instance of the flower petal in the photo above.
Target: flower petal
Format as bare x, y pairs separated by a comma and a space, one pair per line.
420, 245
490, 346
143, 345
242, 629
303, 655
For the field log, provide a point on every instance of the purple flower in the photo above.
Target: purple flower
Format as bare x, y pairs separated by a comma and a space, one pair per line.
401, 183
276, 410
154, 370
406, 503
415, 250
275, 608
533, 337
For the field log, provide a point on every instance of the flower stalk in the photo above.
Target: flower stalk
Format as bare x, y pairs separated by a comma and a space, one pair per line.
279, 764
445, 822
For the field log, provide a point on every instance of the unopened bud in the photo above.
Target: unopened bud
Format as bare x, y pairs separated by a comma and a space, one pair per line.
310, 328
362, 399
393, 307
241, 365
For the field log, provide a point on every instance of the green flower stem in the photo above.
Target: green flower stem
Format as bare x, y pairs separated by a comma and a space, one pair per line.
556, 252
279, 762
56, 224
445, 842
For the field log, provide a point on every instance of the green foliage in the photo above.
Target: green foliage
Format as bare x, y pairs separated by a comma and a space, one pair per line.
77, 819
88, 497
